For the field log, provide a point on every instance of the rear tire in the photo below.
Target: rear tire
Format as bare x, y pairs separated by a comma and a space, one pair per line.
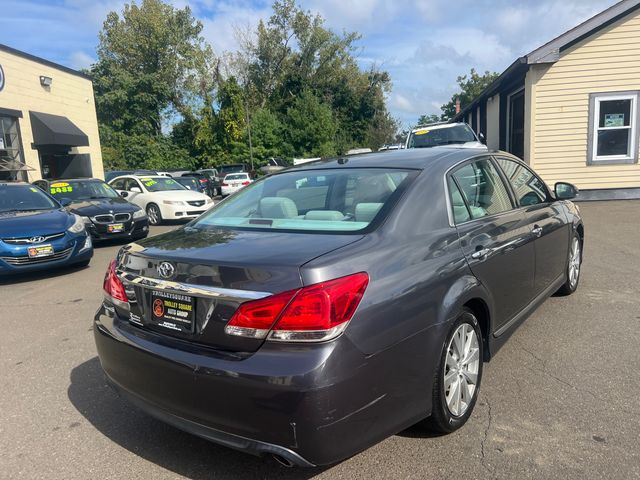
574, 266
457, 380
154, 214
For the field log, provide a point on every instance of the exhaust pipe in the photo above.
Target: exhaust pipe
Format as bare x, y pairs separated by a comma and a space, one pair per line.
282, 461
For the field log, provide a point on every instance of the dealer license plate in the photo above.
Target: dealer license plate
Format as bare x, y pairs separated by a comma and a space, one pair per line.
115, 228
40, 251
172, 311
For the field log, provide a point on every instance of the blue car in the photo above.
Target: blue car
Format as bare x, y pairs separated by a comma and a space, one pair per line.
37, 233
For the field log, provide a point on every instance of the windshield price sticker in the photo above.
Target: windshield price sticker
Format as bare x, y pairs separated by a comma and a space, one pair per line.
60, 187
422, 132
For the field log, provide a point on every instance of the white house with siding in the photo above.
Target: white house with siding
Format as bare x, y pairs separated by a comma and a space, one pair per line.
571, 108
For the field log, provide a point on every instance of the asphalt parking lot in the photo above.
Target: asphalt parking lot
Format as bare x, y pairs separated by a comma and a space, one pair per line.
560, 400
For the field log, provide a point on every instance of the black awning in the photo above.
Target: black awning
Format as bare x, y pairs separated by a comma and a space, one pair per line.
56, 130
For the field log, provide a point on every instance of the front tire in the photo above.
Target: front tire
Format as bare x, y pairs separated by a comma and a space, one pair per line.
154, 214
457, 381
574, 266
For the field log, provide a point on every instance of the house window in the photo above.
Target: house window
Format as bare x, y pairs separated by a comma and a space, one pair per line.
613, 132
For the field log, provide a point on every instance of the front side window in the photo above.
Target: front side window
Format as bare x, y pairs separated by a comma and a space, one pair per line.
482, 189
614, 132
332, 200
527, 186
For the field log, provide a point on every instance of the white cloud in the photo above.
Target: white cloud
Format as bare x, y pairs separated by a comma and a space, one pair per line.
80, 60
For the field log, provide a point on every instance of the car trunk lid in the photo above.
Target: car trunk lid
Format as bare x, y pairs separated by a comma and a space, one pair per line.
197, 279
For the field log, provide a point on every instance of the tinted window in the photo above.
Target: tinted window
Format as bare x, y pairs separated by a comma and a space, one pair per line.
529, 189
333, 200
119, 184
237, 176
460, 210
482, 189
23, 198
81, 190
189, 182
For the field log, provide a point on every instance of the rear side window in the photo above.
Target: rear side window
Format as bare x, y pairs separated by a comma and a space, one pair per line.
482, 189
529, 189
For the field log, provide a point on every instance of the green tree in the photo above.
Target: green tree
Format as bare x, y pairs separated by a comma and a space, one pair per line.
152, 65
471, 86
427, 119
311, 127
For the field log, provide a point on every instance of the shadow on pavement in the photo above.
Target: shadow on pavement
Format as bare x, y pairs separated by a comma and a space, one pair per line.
162, 444
41, 274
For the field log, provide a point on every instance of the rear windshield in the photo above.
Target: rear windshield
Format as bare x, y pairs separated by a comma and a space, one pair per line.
189, 182
21, 198
237, 176
425, 137
332, 200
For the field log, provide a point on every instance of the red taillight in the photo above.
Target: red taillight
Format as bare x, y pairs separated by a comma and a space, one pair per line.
225, 184
245, 183
112, 285
314, 313
202, 180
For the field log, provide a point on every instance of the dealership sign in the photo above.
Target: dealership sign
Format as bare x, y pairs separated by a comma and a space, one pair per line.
1, 78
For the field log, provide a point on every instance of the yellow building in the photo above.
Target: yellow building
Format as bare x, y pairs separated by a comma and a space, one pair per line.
48, 124
571, 108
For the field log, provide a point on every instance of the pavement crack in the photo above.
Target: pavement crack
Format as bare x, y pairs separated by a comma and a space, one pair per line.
485, 438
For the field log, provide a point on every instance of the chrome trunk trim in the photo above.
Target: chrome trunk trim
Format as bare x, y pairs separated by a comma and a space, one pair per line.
190, 289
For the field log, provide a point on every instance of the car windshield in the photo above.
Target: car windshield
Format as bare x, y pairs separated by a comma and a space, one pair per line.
237, 176
231, 168
329, 200
190, 183
161, 184
426, 137
81, 190
20, 198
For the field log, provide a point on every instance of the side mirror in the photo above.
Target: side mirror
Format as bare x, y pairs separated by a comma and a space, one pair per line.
65, 202
482, 138
565, 191
135, 190
124, 194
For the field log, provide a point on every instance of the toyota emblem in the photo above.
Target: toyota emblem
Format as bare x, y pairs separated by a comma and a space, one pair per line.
166, 270
36, 239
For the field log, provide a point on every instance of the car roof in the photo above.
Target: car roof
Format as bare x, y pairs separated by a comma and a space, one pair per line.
433, 159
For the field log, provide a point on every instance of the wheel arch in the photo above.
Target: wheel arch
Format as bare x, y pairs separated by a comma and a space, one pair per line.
470, 293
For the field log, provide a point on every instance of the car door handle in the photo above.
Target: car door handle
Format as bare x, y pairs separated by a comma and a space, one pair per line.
537, 231
480, 254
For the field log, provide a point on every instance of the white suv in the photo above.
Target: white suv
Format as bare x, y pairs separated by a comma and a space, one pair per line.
457, 135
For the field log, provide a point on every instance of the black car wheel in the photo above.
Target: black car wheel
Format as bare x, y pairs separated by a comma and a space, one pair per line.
457, 381
574, 264
153, 212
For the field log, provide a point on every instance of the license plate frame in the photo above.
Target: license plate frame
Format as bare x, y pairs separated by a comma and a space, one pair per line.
40, 251
172, 311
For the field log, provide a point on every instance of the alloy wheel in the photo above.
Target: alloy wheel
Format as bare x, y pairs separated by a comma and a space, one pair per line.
153, 214
461, 369
574, 263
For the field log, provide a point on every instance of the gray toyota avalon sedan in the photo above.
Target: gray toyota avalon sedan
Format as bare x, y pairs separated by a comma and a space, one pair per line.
328, 306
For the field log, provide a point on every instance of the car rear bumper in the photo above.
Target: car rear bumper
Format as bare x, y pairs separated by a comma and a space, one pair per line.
310, 404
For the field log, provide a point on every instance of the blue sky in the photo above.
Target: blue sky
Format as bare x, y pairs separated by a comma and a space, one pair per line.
424, 44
